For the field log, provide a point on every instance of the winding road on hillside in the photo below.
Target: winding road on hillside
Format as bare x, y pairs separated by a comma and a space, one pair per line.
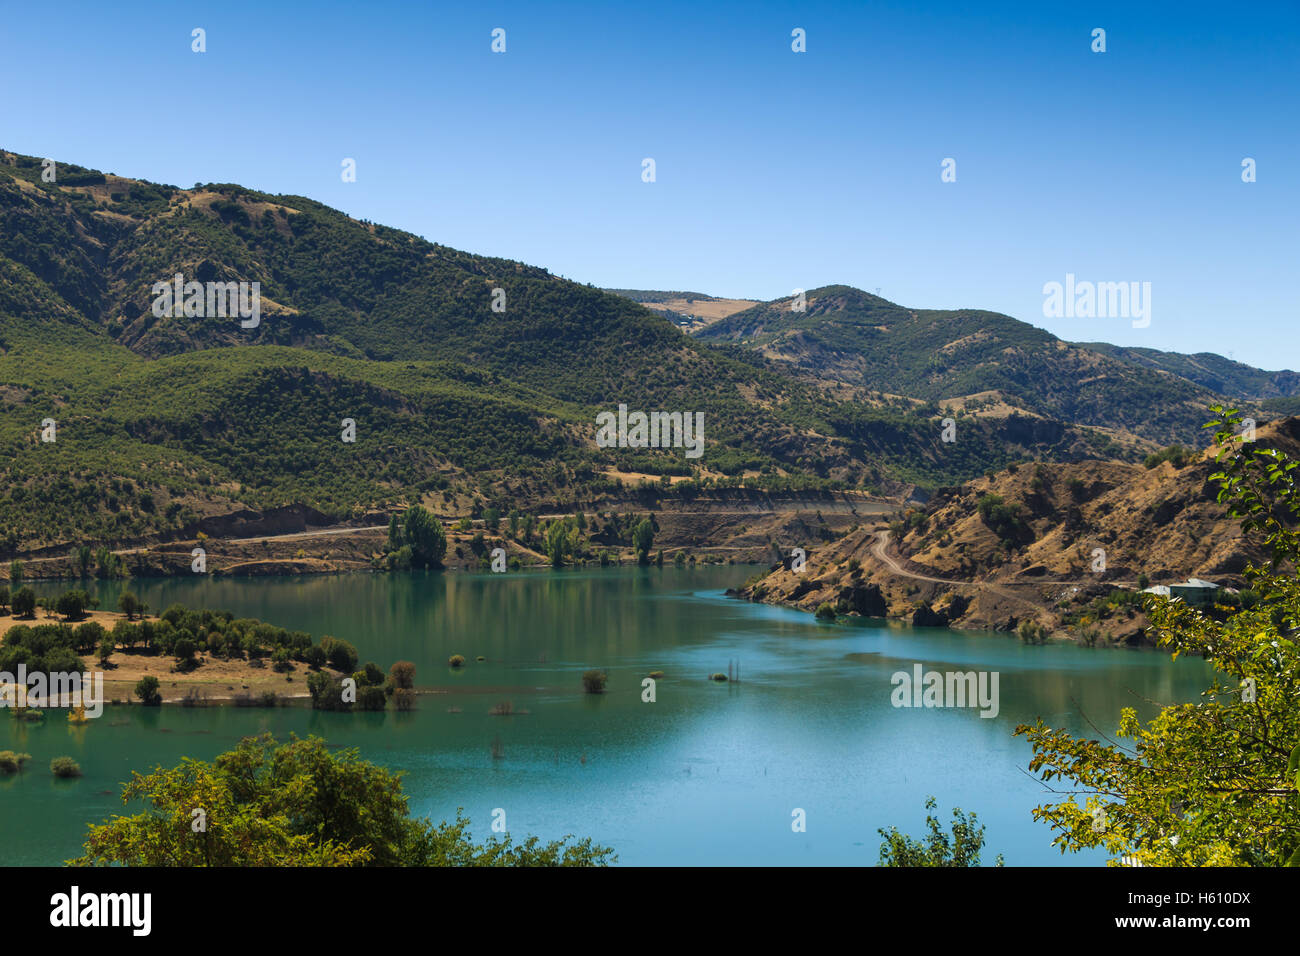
878, 550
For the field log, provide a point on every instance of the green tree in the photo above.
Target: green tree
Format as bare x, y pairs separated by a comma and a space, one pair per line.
561, 541
146, 688
298, 804
937, 848
643, 538
109, 564
24, 603
342, 656
129, 605
1214, 782
402, 675
422, 530
15, 573
72, 604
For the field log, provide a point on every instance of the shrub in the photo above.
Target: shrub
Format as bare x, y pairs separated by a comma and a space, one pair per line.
146, 689
456, 660
1002, 519
937, 848
403, 675
11, 762
371, 698
718, 676
342, 656
1031, 632
1176, 454
326, 692
593, 682
826, 611
315, 657
65, 767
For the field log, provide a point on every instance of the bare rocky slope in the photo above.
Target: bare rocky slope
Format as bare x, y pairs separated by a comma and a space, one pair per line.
1065, 545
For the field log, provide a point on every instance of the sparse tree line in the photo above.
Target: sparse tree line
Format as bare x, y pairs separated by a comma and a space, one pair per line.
416, 538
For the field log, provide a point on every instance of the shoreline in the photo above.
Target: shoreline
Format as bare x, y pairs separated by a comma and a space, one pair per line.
232, 678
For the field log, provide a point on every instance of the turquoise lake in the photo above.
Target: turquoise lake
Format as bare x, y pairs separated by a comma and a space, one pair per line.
707, 774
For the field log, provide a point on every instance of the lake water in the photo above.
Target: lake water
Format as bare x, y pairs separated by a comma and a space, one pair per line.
707, 774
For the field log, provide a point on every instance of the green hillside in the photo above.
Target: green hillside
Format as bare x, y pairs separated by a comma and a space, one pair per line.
849, 336
1210, 371
164, 420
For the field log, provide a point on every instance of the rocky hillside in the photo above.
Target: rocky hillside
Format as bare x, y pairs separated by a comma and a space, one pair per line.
1066, 545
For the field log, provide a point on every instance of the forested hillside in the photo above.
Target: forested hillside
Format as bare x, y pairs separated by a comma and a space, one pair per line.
163, 419
976, 359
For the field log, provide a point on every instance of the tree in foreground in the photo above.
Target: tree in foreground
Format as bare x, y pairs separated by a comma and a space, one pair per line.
298, 804
937, 849
1215, 782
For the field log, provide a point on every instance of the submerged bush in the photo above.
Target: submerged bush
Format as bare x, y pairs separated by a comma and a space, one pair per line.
11, 762
593, 682
65, 767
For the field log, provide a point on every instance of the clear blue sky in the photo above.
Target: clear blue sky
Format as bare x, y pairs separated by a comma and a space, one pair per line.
776, 170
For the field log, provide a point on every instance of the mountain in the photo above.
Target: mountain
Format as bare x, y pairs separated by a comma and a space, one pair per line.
985, 362
1210, 371
163, 419
1061, 543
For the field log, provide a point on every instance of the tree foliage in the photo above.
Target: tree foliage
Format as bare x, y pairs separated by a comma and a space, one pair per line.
962, 848
1212, 782
298, 804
